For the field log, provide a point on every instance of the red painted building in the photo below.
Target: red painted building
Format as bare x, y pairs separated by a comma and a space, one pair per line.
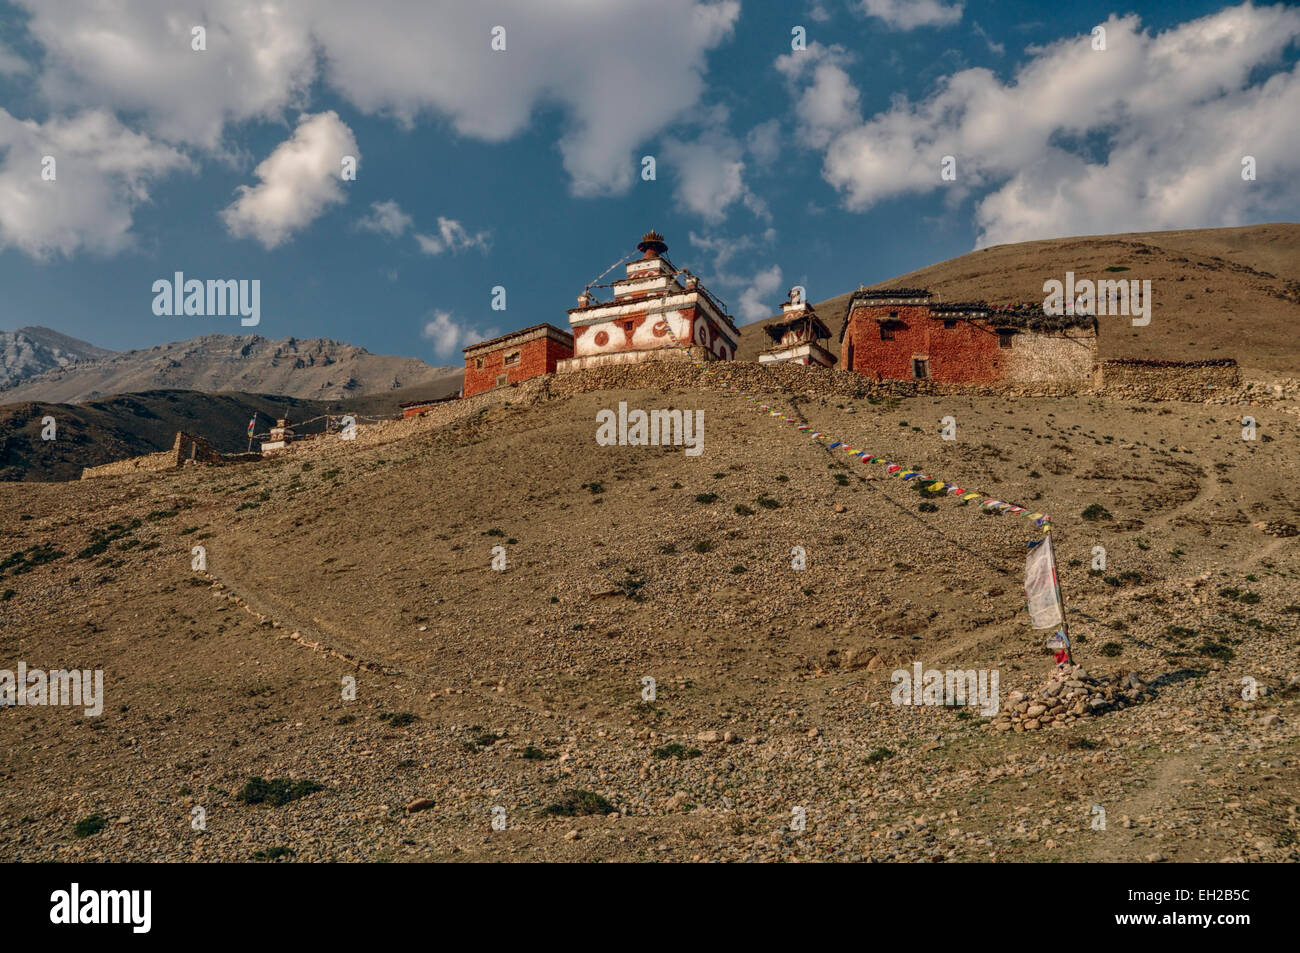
904, 334
515, 357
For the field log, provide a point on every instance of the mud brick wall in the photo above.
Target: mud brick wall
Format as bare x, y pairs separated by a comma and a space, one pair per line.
536, 357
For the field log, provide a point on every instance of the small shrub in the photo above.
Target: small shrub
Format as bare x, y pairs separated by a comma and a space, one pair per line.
399, 719
1096, 512
274, 853
878, 755
276, 792
89, 826
675, 750
576, 803
706, 497
743, 510
1111, 649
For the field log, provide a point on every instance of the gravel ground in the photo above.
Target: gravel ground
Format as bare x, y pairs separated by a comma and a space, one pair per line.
517, 696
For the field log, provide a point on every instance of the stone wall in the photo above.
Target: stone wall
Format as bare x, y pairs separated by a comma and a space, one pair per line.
1062, 358
1131, 379
150, 463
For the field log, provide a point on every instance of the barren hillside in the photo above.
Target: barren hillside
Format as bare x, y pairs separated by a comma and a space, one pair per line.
1219, 292
519, 693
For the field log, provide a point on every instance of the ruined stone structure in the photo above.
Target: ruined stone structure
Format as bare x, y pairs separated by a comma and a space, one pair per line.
186, 448
800, 338
658, 313
515, 357
904, 334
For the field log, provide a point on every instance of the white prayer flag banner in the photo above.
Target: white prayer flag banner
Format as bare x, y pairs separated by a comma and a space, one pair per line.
1040, 586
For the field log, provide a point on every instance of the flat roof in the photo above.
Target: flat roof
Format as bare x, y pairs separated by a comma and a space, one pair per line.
507, 338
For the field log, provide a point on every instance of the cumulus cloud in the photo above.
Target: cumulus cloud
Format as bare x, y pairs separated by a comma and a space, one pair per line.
449, 335
11, 64
453, 237
910, 14
385, 218
407, 59
1148, 134
765, 283
137, 58
299, 181
755, 286
710, 174
827, 101
102, 172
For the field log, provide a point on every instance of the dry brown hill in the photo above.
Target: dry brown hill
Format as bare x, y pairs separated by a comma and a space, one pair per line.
1217, 292
521, 691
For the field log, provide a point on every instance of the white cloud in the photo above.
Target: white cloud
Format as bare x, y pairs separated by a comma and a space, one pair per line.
1148, 134
137, 57
753, 285
764, 142
11, 64
910, 14
453, 237
828, 102
407, 59
299, 181
102, 173
710, 175
763, 285
449, 336
386, 218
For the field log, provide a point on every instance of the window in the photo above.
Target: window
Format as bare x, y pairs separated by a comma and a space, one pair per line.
848, 357
949, 323
920, 368
511, 358
478, 363
627, 325
893, 314
1004, 338
503, 380
886, 332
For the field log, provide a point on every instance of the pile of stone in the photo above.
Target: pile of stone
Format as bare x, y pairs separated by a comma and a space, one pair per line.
1070, 695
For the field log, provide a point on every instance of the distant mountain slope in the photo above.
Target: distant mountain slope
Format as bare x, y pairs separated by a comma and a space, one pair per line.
129, 425
30, 351
1219, 292
313, 369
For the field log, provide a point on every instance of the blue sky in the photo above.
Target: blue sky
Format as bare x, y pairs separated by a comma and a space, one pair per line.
521, 167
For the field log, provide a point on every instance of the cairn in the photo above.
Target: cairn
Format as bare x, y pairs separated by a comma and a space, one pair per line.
1069, 695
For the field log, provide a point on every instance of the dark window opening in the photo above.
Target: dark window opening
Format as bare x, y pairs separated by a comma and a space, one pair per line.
886, 333
511, 358
1004, 338
920, 368
503, 380
478, 363
949, 323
